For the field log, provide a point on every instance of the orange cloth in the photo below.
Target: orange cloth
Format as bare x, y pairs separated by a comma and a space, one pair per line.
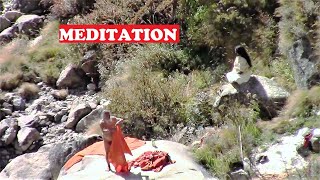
117, 149
98, 149
152, 160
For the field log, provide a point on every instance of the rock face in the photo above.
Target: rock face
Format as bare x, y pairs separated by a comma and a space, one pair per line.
94, 167
282, 157
4, 23
271, 97
89, 119
45, 163
72, 77
305, 67
77, 113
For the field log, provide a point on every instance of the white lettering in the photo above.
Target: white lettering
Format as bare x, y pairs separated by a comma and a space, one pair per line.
172, 34
146, 35
79, 34
92, 34
66, 35
137, 33
124, 34
111, 31
153, 34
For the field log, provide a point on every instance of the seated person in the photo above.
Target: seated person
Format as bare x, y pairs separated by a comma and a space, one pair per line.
241, 67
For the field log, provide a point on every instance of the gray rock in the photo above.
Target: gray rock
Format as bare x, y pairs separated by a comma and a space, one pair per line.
12, 15
8, 131
29, 24
46, 162
19, 104
64, 118
27, 121
26, 136
76, 114
7, 112
89, 119
8, 34
270, 95
72, 77
304, 65
4, 23
239, 175
91, 87
7, 106
27, 6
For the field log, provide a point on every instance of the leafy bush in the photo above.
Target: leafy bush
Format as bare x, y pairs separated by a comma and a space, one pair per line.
147, 90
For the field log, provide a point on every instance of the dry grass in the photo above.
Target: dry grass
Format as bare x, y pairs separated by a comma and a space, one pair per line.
60, 94
302, 102
28, 90
10, 81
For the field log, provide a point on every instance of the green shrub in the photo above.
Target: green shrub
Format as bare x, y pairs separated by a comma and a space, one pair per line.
151, 94
223, 148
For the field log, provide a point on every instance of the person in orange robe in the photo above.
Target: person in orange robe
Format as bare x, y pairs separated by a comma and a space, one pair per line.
114, 143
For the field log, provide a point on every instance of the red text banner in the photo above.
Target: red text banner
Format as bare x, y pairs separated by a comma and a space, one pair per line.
119, 33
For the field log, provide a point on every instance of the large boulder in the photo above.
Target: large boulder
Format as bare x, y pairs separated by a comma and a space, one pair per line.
72, 77
4, 23
12, 15
304, 64
270, 96
76, 114
29, 24
26, 136
94, 166
89, 119
46, 162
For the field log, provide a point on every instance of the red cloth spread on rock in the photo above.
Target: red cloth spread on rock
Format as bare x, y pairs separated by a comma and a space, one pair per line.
98, 149
152, 160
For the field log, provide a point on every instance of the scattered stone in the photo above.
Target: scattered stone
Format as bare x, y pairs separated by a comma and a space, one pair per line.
89, 119
239, 175
8, 131
19, 104
72, 77
26, 136
7, 106
27, 121
76, 114
91, 87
